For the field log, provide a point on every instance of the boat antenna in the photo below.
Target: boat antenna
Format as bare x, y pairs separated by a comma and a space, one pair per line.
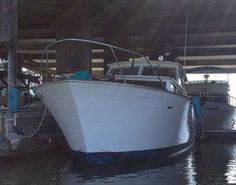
185, 37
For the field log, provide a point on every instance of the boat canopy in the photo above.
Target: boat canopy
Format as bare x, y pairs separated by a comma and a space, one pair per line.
206, 69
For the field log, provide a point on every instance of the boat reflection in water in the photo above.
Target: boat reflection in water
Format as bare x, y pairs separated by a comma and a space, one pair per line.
147, 173
212, 162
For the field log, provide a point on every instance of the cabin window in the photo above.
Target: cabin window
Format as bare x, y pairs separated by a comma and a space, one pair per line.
156, 84
125, 70
170, 72
180, 81
181, 78
170, 87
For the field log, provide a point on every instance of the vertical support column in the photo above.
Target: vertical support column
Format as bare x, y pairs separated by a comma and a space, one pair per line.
157, 46
11, 79
116, 32
73, 21
12, 63
161, 47
8, 35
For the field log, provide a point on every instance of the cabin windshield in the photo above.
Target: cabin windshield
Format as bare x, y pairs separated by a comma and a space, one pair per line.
125, 70
169, 72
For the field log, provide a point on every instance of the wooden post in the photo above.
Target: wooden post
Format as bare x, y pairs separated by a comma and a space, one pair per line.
73, 21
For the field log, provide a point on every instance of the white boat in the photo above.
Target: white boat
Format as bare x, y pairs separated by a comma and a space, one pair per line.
109, 121
219, 111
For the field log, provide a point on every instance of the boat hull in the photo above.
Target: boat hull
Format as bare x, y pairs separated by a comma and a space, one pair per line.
219, 116
108, 122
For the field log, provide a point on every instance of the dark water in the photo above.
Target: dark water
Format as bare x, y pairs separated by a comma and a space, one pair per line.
212, 162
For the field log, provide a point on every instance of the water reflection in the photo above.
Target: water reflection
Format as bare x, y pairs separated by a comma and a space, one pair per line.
213, 162
190, 169
231, 168
151, 172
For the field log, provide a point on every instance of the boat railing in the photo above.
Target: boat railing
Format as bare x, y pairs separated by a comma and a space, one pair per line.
111, 47
208, 81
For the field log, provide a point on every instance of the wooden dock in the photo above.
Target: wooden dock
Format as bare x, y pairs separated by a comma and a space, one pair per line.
37, 143
48, 137
224, 134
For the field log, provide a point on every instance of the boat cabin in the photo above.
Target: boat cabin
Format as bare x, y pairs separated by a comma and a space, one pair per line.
167, 75
209, 90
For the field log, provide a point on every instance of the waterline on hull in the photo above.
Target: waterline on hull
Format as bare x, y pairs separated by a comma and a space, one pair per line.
116, 157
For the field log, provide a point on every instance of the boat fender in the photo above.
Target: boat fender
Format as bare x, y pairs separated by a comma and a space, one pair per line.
197, 107
14, 95
203, 100
199, 115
